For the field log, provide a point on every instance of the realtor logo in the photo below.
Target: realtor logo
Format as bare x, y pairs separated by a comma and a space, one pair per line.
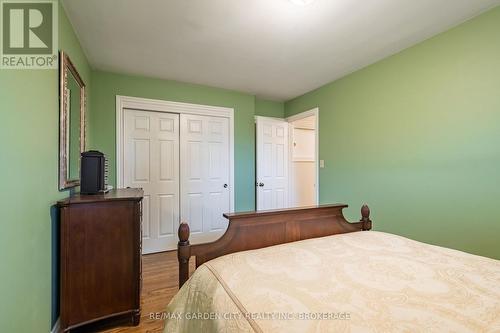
29, 34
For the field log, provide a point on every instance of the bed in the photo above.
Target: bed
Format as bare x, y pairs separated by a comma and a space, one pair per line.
309, 270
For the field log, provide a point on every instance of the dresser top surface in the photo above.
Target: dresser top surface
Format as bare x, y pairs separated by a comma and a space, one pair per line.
125, 194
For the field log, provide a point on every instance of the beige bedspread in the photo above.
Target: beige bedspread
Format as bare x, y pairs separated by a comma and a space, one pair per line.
357, 282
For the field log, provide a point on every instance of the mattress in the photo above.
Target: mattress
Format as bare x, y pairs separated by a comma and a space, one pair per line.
356, 282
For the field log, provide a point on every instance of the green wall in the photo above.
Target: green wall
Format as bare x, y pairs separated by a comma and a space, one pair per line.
102, 125
29, 129
269, 108
417, 136
28, 172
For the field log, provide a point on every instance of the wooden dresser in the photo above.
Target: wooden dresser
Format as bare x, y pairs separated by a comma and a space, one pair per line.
100, 257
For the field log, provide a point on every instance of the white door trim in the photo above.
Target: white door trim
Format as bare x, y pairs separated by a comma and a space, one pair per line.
146, 104
305, 114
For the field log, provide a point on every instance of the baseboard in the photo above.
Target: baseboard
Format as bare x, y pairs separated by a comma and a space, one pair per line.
57, 326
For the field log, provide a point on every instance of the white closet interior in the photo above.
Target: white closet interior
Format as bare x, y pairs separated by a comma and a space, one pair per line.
303, 162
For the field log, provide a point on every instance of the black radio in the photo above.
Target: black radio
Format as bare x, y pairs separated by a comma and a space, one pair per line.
94, 173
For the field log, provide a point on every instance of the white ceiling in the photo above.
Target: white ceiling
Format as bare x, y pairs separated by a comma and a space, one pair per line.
271, 48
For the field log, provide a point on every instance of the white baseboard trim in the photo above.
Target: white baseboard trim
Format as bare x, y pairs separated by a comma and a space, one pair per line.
57, 326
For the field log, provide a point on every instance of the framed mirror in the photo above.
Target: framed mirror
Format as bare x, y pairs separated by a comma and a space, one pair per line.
72, 105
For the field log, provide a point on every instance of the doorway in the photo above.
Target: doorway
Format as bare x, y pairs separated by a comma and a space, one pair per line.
287, 161
303, 162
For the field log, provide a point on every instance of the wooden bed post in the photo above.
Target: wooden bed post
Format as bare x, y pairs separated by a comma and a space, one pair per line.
183, 253
365, 217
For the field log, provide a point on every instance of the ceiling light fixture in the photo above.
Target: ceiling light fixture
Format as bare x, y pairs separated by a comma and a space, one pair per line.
301, 2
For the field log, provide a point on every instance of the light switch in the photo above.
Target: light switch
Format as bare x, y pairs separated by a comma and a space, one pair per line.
322, 163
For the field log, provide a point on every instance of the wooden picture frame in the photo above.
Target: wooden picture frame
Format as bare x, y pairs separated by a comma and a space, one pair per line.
67, 68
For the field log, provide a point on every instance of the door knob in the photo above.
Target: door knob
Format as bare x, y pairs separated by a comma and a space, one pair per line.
261, 184
225, 185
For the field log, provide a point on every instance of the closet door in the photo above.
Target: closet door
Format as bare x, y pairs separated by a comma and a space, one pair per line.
151, 162
204, 174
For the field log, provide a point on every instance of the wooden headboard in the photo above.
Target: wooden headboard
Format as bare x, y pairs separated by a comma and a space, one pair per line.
255, 230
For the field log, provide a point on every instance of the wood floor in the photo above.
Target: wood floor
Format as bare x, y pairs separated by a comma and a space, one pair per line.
160, 284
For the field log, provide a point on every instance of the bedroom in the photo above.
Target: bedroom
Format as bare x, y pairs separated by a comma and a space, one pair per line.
408, 122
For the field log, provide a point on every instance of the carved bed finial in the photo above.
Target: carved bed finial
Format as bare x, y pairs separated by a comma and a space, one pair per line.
183, 232
365, 217
183, 253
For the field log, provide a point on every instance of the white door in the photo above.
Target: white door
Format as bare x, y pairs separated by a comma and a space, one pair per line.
205, 186
272, 163
151, 161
